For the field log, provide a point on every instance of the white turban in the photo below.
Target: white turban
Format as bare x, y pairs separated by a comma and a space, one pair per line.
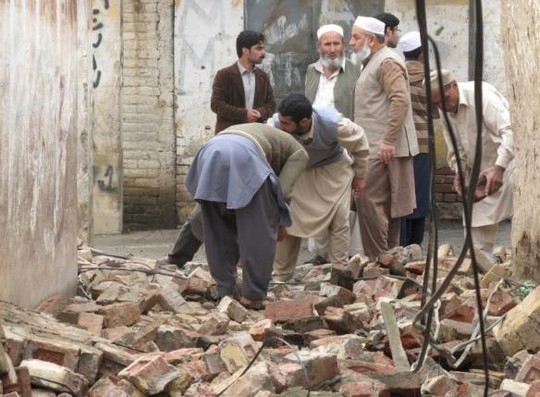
410, 41
370, 24
329, 28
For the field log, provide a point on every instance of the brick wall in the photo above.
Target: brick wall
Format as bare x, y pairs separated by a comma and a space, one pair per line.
148, 139
448, 202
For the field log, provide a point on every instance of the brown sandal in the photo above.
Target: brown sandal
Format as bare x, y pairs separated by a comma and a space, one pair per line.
252, 304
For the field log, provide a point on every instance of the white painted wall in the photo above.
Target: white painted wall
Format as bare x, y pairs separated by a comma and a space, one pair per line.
85, 172
38, 132
205, 41
448, 24
106, 79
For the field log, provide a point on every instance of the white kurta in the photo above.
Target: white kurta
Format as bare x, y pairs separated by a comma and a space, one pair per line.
497, 148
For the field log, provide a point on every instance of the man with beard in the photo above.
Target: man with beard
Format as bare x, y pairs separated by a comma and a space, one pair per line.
382, 106
329, 83
241, 93
493, 197
321, 197
330, 80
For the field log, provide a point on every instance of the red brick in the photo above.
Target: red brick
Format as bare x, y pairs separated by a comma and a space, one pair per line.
22, 388
258, 330
530, 371
91, 322
534, 390
444, 171
288, 310
125, 313
464, 313
53, 305
61, 352
450, 197
443, 188
150, 374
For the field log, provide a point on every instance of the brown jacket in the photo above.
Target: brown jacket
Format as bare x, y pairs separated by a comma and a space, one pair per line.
228, 98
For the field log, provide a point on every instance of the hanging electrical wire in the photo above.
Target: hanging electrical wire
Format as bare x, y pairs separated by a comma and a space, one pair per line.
425, 315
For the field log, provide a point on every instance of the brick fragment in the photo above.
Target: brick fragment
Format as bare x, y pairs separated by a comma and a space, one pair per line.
150, 374
61, 377
286, 310
125, 313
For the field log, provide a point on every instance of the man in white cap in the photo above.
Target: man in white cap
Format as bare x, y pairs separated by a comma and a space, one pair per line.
497, 165
382, 106
329, 83
413, 225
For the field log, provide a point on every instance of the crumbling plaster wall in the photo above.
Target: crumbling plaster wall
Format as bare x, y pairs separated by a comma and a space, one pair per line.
522, 44
38, 133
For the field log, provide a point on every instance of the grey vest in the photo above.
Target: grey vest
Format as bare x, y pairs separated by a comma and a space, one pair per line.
343, 90
371, 109
324, 148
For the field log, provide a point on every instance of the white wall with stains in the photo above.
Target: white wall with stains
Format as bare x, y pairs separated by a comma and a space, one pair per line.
205, 41
448, 24
107, 186
38, 131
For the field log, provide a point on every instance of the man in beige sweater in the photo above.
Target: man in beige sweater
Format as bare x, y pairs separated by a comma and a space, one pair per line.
383, 108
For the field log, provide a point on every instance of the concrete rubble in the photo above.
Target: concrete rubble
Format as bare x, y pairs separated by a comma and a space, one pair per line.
137, 330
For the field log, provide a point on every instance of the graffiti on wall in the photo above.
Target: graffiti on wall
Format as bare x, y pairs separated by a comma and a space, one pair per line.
97, 35
106, 183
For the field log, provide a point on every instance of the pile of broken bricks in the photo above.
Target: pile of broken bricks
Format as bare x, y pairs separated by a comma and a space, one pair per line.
137, 330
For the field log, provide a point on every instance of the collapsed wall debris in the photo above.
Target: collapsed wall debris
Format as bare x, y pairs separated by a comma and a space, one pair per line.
138, 330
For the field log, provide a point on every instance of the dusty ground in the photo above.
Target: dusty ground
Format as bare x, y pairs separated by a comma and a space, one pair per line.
157, 243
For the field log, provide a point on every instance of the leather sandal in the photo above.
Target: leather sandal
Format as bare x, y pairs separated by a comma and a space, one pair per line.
252, 304
317, 261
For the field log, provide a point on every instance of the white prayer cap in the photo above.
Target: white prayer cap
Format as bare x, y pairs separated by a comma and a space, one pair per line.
410, 41
329, 28
370, 24
447, 78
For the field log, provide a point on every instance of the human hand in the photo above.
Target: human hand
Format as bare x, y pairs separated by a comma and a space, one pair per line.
494, 179
281, 233
386, 152
253, 115
358, 186
456, 186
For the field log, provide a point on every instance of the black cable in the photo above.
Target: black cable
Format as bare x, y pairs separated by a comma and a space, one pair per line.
479, 64
468, 193
433, 225
264, 344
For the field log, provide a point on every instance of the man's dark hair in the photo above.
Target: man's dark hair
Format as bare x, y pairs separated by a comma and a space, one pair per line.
247, 39
295, 106
390, 20
412, 55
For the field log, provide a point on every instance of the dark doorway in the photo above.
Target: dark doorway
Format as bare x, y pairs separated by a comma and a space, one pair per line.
290, 28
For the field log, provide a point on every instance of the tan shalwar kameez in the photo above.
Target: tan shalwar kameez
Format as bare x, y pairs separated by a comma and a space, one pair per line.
321, 201
383, 109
